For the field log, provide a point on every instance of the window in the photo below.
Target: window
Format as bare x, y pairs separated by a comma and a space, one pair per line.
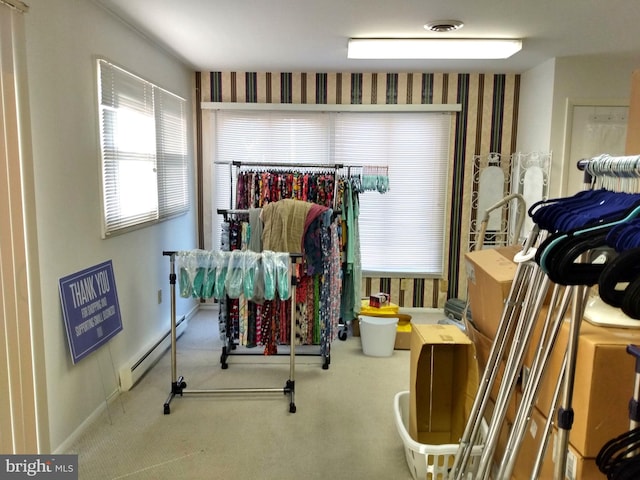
144, 151
401, 231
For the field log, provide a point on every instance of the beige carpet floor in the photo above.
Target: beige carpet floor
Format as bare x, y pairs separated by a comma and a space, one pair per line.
343, 428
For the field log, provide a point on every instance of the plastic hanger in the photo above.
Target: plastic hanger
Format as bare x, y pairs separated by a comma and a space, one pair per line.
545, 254
617, 275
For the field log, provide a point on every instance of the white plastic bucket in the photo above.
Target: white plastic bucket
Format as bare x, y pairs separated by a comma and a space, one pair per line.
378, 335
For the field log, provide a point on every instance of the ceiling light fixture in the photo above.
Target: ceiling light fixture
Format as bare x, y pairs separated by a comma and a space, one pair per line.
432, 48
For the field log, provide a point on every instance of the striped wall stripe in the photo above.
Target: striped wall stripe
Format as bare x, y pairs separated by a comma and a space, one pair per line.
479, 118
216, 87
487, 123
321, 88
497, 112
458, 182
427, 88
515, 103
356, 88
251, 91
392, 89
418, 292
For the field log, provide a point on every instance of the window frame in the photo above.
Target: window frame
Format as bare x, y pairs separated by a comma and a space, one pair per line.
169, 159
422, 108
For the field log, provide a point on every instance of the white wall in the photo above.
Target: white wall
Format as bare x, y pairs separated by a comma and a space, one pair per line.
544, 92
534, 110
585, 78
63, 39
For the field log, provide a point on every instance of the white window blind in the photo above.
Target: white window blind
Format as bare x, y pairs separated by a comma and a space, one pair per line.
401, 231
263, 137
144, 152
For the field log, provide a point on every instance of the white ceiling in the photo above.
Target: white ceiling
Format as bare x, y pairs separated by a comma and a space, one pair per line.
311, 35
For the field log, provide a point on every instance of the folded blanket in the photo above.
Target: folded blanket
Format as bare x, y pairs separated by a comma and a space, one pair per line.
284, 225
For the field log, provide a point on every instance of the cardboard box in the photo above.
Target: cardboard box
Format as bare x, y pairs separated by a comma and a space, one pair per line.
483, 347
603, 384
443, 383
490, 273
577, 467
378, 300
403, 335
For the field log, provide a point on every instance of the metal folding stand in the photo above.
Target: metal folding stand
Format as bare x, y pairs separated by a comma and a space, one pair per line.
506, 331
536, 291
531, 383
178, 384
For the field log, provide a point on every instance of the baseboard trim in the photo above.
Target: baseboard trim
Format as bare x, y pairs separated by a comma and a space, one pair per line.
132, 371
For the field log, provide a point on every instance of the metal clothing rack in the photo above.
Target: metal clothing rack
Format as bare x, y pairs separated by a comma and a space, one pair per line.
230, 346
178, 384
342, 331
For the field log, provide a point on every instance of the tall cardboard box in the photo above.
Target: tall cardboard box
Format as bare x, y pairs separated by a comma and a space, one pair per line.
483, 347
577, 466
443, 383
490, 274
603, 384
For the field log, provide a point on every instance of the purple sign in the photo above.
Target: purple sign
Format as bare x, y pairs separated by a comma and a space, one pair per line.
90, 309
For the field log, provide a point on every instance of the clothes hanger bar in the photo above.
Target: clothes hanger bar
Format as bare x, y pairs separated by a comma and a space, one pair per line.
224, 211
336, 166
606, 164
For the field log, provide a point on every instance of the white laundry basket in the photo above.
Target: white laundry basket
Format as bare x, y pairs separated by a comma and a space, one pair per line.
431, 462
378, 335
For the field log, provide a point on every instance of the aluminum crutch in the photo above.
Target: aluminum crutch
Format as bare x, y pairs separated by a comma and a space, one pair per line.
505, 327
565, 411
548, 426
535, 297
531, 386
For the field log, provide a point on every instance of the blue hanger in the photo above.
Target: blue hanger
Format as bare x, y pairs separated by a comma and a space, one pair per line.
551, 242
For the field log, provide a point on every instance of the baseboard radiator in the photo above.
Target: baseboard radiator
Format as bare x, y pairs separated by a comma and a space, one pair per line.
132, 371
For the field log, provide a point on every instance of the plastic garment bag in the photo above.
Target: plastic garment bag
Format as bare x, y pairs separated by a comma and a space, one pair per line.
256, 276
282, 275
249, 270
195, 277
222, 264
234, 277
269, 274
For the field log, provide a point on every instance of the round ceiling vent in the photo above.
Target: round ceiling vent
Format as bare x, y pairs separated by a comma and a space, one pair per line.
443, 26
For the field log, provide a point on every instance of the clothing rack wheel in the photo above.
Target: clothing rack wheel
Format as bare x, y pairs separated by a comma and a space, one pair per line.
342, 332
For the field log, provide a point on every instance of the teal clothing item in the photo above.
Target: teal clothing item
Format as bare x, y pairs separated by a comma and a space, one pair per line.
352, 275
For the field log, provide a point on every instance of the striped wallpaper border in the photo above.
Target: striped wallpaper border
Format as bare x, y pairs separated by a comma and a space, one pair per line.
487, 123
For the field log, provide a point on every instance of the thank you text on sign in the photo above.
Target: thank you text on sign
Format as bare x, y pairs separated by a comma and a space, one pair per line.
90, 309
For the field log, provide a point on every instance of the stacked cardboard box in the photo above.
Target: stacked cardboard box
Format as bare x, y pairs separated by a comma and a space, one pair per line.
490, 274
577, 466
603, 384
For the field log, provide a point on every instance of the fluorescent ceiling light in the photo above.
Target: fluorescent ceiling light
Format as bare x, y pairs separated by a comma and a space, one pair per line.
432, 48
